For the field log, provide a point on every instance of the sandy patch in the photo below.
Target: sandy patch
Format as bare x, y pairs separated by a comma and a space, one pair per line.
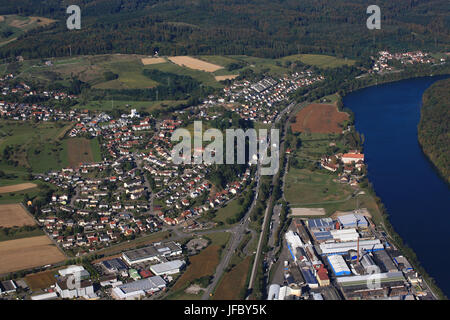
228, 77
196, 64
298, 212
147, 61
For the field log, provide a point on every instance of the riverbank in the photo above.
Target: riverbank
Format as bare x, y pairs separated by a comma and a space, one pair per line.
386, 222
433, 133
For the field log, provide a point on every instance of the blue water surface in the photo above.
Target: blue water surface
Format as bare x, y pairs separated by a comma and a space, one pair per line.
416, 198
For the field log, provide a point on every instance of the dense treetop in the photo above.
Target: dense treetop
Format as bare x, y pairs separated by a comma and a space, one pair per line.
434, 126
269, 28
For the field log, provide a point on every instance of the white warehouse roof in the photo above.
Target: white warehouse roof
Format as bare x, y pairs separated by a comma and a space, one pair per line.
293, 240
343, 247
338, 264
167, 267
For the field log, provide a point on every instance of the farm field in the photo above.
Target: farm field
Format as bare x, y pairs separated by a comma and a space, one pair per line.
319, 118
14, 215
28, 253
193, 63
233, 282
81, 150
146, 61
17, 187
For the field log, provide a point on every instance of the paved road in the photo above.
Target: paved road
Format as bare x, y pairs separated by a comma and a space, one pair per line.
237, 234
266, 214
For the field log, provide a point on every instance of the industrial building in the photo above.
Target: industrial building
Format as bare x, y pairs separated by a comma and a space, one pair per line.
152, 253
340, 235
276, 292
170, 267
320, 224
403, 264
367, 286
353, 220
338, 265
343, 247
45, 296
309, 277
365, 280
115, 265
7, 286
136, 289
384, 261
68, 289
368, 263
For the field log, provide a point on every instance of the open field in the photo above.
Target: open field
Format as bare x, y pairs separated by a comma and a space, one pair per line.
41, 280
34, 145
319, 60
28, 253
233, 282
229, 211
307, 212
14, 215
306, 187
17, 187
227, 77
202, 264
196, 64
146, 61
319, 118
79, 150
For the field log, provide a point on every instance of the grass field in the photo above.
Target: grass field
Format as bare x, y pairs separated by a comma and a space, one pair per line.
233, 282
229, 211
14, 215
319, 60
306, 187
35, 146
28, 253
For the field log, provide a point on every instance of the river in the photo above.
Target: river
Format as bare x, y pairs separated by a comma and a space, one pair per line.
416, 198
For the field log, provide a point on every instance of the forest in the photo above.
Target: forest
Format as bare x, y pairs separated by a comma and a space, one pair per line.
434, 126
264, 28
